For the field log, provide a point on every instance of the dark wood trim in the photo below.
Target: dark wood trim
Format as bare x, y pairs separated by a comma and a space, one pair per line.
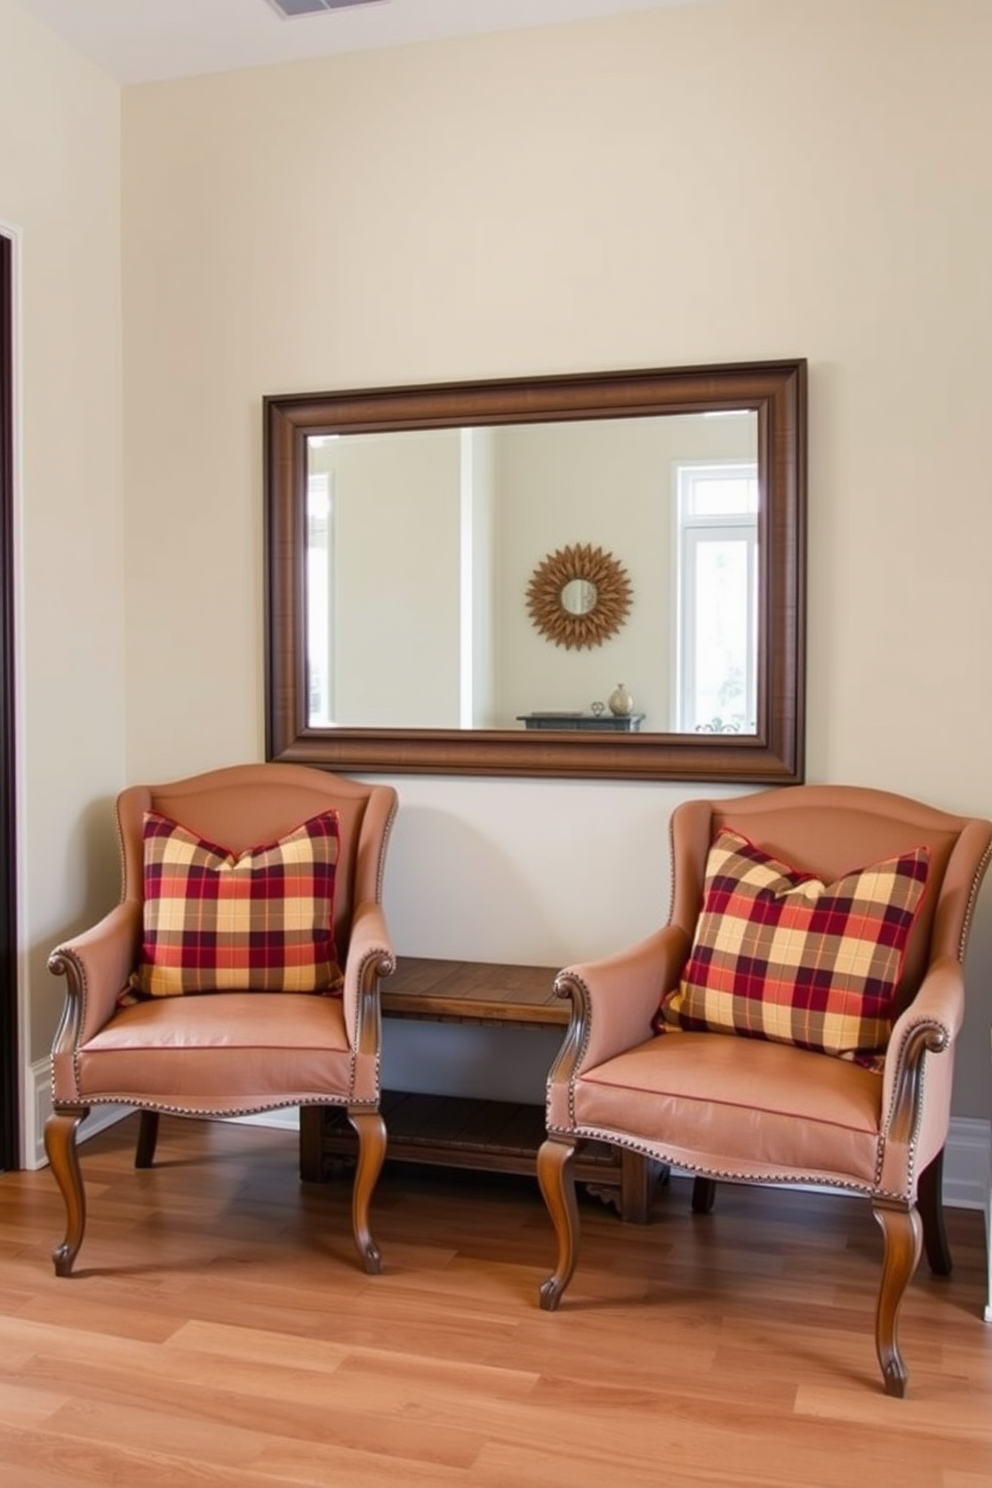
776, 391
9, 1049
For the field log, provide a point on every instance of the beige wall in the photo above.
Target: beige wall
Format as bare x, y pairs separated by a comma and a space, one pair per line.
710, 183
395, 498
60, 199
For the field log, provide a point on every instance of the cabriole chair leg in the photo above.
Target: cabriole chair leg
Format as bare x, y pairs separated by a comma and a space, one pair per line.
554, 1174
903, 1231
63, 1156
371, 1132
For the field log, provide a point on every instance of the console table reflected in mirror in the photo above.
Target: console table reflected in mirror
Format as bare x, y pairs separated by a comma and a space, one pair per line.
607, 723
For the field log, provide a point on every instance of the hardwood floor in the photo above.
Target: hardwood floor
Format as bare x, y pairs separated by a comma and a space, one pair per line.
219, 1331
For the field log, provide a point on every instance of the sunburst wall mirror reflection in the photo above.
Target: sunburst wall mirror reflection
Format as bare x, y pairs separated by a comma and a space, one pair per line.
579, 596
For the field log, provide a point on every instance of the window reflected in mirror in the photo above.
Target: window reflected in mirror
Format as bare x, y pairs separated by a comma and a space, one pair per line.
716, 611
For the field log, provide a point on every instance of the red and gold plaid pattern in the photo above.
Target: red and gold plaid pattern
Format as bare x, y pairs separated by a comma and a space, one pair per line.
261, 922
779, 955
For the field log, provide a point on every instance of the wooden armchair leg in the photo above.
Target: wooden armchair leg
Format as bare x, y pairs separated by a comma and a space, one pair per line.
703, 1195
60, 1145
312, 1144
903, 1231
930, 1202
144, 1154
554, 1174
371, 1131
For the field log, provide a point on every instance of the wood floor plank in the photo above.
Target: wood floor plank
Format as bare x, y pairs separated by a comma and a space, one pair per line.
223, 1342
221, 1331
23, 1407
38, 1460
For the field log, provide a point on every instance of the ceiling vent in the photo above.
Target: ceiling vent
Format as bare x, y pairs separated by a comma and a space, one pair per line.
290, 9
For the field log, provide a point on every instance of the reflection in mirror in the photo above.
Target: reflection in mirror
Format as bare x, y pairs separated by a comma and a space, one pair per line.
425, 545
578, 597
454, 523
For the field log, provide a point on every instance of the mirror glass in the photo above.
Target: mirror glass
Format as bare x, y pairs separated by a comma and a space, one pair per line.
578, 596
458, 577
455, 522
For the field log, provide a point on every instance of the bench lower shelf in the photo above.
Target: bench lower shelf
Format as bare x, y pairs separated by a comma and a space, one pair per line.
489, 1136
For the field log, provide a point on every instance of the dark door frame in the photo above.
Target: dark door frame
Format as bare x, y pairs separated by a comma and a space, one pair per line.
10, 1116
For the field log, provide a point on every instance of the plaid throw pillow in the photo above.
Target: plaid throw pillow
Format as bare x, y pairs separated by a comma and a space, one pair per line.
779, 955
261, 922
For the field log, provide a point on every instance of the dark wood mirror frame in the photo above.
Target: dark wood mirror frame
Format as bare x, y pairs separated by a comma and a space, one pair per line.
775, 391
10, 1075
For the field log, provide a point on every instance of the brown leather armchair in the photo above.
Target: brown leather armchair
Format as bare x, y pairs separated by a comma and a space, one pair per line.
229, 1053
744, 1109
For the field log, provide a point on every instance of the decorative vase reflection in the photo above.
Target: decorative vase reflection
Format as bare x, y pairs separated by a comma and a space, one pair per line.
620, 702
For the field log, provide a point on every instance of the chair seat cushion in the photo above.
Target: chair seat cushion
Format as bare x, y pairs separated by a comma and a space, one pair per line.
262, 920
779, 955
740, 1108
224, 1054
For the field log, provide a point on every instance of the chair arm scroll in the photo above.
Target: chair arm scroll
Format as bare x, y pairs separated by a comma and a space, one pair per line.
930, 1024
615, 999
96, 965
370, 956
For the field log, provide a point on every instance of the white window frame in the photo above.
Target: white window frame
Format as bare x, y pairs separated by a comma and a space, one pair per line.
691, 531
320, 555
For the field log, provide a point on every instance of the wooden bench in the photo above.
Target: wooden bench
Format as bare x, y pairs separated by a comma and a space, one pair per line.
464, 1131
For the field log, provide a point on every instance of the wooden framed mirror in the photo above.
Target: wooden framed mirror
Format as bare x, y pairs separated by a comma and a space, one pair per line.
403, 526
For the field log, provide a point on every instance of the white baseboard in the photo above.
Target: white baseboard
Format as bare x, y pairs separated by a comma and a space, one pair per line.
966, 1157
287, 1118
968, 1164
39, 1108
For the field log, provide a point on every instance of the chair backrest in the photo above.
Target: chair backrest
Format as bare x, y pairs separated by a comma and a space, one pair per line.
831, 830
244, 806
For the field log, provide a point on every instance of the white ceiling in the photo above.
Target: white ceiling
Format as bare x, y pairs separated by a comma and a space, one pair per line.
144, 40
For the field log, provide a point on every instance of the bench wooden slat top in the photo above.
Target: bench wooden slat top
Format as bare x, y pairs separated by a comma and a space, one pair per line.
473, 992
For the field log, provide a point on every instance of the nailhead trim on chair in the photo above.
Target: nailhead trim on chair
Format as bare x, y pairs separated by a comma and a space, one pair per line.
730, 1175
582, 1050
381, 865
173, 1110
972, 900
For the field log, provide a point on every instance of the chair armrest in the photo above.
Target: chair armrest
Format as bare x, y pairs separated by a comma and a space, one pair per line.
370, 956
930, 1023
615, 999
96, 965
